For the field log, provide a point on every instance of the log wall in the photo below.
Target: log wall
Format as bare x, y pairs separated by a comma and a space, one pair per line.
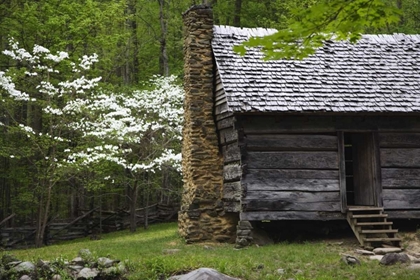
290, 165
400, 167
289, 173
228, 140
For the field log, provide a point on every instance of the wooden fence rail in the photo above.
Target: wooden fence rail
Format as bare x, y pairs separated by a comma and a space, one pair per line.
91, 223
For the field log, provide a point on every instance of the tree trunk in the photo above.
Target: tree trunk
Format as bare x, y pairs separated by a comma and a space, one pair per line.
163, 58
39, 234
215, 15
237, 11
146, 204
43, 213
5, 202
133, 205
131, 69
399, 6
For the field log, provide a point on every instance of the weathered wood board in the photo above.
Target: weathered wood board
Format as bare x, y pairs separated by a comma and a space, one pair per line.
232, 172
404, 157
399, 173
232, 191
222, 107
403, 214
231, 153
281, 184
256, 174
402, 183
291, 200
401, 198
394, 178
228, 135
226, 123
291, 215
291, 142
292, 160
399, 140
292, 196
315, 124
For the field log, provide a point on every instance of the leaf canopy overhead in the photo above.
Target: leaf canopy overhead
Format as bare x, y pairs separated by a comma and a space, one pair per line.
325, 20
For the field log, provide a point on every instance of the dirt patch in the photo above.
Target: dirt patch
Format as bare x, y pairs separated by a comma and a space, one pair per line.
410, 242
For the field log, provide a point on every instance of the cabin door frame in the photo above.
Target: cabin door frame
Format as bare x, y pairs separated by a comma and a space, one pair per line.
360, 170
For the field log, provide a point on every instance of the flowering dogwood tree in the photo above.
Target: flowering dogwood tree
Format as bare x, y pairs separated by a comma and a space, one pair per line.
139, 133
40, 84
69, 126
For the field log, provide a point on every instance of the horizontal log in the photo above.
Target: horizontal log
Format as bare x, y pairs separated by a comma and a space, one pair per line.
407, 214
401, 183
221, 108
299, 142
218, 82
407, 173
400, 157
401, 198
292, 160
221, 99
74, 221
232, 191
232, 206
294, 196
399, 140
226, 123
70, 237
292, 174
232, 172
253, 124
282, 205
280, 184
400, 177
291, 215
227, 136
223, 115
291, 201
231, 153
393, 178
289, 179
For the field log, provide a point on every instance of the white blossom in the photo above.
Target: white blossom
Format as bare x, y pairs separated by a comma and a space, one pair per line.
7, 84
148, 120
86, 61
52, 111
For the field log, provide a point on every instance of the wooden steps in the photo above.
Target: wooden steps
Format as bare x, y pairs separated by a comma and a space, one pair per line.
369, 216
381, 239
371, 227
379, 231
374, 224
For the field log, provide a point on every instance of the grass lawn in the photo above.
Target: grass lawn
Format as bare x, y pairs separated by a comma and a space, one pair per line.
145, 251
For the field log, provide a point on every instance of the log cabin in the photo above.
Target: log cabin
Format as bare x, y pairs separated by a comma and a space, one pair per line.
335, 136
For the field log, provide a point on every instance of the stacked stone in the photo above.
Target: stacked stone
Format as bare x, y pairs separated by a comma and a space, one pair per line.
202, 215
243, 234
85, 266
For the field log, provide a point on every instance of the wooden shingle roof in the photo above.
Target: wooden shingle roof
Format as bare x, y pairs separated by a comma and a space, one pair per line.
381, 73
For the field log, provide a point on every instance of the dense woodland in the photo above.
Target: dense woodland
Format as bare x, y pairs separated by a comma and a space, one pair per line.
134, 40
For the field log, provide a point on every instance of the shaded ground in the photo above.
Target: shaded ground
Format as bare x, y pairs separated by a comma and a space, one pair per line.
335, 232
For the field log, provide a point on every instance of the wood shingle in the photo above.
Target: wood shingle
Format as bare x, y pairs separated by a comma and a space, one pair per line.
379, 74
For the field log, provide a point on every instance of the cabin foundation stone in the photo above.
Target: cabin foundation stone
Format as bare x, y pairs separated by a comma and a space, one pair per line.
202, 216
243, 234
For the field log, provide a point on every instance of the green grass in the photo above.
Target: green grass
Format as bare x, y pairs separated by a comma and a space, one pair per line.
145, 252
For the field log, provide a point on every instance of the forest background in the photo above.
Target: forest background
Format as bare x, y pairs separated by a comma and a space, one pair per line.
134, 40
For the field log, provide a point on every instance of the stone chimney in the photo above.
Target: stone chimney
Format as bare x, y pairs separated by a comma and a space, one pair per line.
202, 216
